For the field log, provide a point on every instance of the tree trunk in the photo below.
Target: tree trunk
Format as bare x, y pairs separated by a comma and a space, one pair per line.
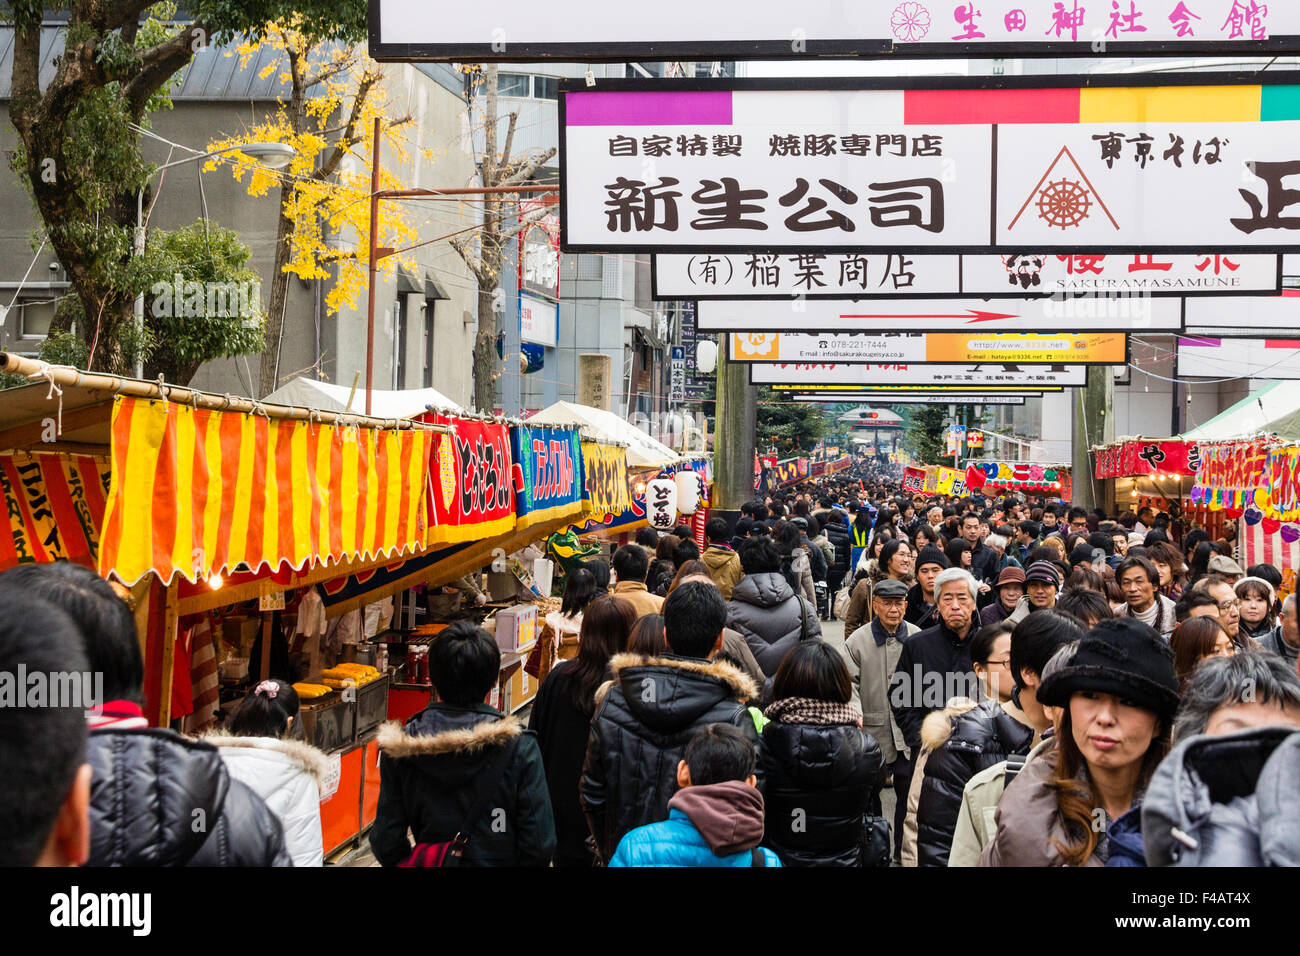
267, 376
485, 352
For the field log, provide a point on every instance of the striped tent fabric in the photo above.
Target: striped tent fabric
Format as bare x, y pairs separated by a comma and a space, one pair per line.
199, 491
55, 505
1255, 546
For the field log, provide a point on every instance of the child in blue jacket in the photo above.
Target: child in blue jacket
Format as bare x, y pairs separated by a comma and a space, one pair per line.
715, 819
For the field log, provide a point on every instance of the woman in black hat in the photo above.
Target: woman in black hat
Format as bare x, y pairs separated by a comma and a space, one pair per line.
1080, 804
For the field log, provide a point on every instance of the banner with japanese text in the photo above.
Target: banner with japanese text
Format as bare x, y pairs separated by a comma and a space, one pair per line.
605, 486
913, 480
1018, 475
1138, 458
970, 377
1230, 474
788, 166
791, 471
680, 30
548, 463
55, 505
471, 492
197, 492
930, 348
756, 276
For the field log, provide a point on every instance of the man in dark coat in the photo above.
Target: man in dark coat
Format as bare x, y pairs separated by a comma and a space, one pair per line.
651, 711
156, 798
457, 755
935, 664
983, 559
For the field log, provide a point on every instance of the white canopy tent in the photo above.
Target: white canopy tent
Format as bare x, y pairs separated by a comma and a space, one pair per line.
1273, 409
326, 396
642, 452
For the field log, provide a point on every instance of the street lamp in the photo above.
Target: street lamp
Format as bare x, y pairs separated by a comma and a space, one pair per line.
269, 155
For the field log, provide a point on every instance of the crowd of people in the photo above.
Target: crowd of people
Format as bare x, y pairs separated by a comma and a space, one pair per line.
1038, 684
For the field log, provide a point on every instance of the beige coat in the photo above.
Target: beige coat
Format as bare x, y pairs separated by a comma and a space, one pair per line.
1028, 820
872, 667
976, 821
635, 594
724, 568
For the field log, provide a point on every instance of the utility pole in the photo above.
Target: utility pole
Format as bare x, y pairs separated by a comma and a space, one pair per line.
733, 445
1093, 425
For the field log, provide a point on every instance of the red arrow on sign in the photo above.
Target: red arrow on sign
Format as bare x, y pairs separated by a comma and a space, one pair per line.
972, 315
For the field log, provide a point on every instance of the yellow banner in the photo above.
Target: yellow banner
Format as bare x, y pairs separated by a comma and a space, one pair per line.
604, 479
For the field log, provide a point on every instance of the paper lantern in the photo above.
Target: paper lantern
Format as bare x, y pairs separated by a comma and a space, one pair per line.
706, 357
688, 492
661, 503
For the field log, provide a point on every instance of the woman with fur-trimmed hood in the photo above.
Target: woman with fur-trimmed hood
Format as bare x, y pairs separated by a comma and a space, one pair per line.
459, 755
285, 773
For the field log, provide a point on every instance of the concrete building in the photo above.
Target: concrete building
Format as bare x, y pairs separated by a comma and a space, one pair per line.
425, 315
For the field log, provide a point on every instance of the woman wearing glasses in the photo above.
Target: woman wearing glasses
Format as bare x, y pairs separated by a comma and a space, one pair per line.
960, 741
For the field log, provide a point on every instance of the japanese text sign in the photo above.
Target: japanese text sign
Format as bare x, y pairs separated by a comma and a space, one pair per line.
1134, 459
604, 468
948, 376
852, 275
471, 482
1098, 169
919, 348
549, 462
518, 32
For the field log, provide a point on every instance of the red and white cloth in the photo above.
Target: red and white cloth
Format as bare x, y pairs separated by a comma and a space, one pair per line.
1254, 546
117, 715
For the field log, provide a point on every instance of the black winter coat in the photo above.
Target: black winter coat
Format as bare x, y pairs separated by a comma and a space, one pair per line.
984, 563
431, 772
981, 737
639, 735
562, 728
818, 781
838, 535
158, 799
933, 667
771, 617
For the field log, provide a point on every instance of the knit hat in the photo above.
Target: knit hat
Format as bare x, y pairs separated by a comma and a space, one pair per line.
1010, 575
1045, 572
1120, 656
932, 555
1136, 540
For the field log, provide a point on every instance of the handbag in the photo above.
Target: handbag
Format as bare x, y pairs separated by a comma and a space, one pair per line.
876, 846
449, 853
841, 606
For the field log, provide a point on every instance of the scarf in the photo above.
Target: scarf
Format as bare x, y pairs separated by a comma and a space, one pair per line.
806, 710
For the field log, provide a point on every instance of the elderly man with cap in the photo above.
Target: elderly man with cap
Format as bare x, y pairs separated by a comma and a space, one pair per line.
1010, 589
872, 653
1042, 582
1226, 568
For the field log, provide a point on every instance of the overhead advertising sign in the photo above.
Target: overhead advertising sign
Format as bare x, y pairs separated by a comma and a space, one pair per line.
539, 320
517, 31
857, 398
1086, 314
969, 376
1202, 357
792, 165
919, 348
758, 275
1246, 316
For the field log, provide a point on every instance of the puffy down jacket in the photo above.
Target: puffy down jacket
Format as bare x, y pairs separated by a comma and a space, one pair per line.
960, 746
1230, 800
767, 613
432, 771
158, 799
639, 734
817, 783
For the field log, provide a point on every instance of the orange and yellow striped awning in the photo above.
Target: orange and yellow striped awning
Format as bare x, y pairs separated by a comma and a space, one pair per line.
199, 491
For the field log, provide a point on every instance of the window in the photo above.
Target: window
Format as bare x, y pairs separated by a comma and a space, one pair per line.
428, 342
35, 316
546, 88
512, 84
399, 359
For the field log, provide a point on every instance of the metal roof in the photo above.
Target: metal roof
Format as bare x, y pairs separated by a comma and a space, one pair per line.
213, 74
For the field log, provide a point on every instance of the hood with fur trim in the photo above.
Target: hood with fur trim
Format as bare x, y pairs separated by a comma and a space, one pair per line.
300, 754
450, 743
668, 693
937, 726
